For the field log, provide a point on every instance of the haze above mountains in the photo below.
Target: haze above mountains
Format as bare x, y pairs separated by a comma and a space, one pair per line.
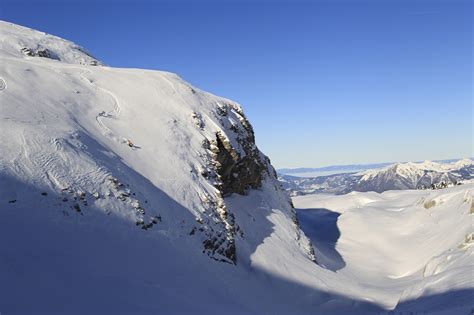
346, 168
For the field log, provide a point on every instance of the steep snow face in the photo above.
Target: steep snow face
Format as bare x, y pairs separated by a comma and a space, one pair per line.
144, 146
108, 152
22, 42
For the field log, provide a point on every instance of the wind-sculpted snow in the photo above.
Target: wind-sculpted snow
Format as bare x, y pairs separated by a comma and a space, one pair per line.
130, 191
400, 246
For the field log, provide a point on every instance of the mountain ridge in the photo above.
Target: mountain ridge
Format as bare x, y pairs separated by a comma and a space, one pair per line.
410, 175
348, 167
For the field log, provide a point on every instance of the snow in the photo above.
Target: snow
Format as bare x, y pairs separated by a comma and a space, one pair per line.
89, 155
14, 39
401, 245
399, 176
409, 168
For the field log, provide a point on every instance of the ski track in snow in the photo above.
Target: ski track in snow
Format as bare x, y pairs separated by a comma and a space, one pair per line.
112, 114
17, 166
3, 84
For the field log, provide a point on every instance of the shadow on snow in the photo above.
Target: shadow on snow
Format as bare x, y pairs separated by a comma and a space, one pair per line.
320, 226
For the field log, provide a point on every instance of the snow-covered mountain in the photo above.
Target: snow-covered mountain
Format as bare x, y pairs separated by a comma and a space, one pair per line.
415, 175
20, 42
130, 191
139, 156
329, 170
397, 176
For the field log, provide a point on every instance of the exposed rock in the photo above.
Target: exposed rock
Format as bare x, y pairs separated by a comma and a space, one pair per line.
237, 173
198, 121
77, 207
429, 204
239, 166
44, 53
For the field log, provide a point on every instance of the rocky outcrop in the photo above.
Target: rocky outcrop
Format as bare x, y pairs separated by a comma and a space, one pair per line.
237, 173
235, 165
47, 53
238, 168
44, 53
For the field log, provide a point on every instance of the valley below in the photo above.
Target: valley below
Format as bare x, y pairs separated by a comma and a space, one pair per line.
409, 250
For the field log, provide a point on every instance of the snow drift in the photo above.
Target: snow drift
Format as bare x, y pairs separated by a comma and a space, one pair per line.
407, 247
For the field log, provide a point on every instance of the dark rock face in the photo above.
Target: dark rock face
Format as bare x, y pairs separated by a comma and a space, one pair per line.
235, 166
28, 52
44, 53
237, 173
243, 168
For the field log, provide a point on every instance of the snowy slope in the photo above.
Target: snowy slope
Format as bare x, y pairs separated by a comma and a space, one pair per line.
21, 41
400, 245
125, 153
99, 134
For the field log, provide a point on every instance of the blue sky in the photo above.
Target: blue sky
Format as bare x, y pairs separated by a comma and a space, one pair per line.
323, 82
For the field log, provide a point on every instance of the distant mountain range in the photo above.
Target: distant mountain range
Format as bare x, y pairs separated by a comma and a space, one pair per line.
396, 176
344, 168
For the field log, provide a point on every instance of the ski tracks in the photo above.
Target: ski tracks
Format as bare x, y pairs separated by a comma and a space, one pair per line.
3, 84
112, 114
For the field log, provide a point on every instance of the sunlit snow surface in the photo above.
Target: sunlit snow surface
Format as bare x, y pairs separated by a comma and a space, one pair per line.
65, 130
399, 246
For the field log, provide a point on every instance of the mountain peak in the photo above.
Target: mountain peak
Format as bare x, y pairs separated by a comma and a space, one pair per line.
24, 42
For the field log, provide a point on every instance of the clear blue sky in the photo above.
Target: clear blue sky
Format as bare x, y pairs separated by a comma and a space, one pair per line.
323, 82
